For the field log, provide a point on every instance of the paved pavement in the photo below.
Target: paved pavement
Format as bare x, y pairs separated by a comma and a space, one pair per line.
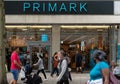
78, 78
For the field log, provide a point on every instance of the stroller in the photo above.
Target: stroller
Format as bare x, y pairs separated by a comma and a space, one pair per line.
31, 79
35, 79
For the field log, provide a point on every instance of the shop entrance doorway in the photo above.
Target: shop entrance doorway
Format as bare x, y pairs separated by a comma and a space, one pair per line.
86, 39
38, 48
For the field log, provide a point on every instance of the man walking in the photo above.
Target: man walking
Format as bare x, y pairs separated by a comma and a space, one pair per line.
16, 65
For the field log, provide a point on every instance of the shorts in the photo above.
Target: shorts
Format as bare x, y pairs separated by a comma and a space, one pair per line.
15, 74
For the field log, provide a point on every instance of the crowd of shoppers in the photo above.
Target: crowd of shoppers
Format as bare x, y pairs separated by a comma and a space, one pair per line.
99, 74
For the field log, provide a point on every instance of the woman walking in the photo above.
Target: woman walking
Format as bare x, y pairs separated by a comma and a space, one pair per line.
41, 66
55, 64
101, 70
63, 66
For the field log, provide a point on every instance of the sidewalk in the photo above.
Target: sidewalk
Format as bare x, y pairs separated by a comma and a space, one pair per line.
78, 78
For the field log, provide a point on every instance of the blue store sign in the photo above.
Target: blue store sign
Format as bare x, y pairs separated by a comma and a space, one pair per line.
44, 37
60, 7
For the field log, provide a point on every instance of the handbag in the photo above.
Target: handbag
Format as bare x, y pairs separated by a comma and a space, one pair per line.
113, 79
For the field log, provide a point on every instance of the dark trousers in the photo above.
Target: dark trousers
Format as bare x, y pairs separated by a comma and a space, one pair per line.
55, 69
63, 82
70, 76
43, 72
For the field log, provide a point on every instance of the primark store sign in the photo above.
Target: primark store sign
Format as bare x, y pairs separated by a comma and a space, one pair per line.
59, 7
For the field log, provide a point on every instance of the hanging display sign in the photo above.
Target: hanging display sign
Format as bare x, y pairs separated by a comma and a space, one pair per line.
44, 37
59, 7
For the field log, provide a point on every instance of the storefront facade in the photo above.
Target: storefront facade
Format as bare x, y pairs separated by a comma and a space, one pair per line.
60, 21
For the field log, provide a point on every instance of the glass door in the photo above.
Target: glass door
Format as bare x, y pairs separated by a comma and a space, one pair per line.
39, 48
45, 52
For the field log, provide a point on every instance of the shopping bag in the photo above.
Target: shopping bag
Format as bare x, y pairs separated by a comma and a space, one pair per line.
69, 69
6, 67
22, 74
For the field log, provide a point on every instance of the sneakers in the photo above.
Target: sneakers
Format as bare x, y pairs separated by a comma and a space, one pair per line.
45, 79
56, 75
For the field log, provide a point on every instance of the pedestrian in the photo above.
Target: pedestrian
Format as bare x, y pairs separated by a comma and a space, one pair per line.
63, 66
101, 70
55, 64
92, 63
28, 67
27, 58
8, 54
114, 73
45, 59
41, 66
78, 61
16, 65
69, 67
112, 65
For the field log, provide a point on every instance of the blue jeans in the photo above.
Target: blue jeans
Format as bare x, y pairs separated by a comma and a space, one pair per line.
15, 74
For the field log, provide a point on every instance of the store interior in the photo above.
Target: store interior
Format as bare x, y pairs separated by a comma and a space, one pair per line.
73, 37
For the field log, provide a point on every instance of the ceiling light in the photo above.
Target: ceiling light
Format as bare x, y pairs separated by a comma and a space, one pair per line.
28, 26
61, 42
42, 29
85, 26
24, 29
99, 29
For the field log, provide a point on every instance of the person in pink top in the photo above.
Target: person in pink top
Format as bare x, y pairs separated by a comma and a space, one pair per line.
15, 65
